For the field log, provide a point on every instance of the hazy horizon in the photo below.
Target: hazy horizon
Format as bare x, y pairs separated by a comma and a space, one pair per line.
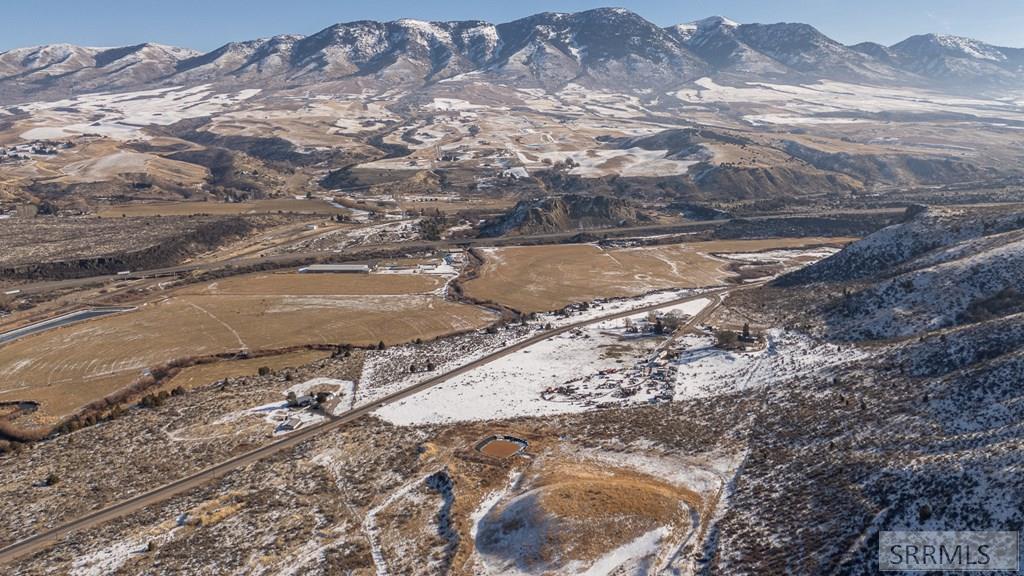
121, 22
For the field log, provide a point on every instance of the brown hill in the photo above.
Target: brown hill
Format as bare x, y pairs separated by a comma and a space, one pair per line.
563, 213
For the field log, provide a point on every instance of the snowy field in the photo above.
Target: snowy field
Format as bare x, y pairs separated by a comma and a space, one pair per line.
781, 256
386, 371
121, 116
606, 104
574, 372
595, 163
795, 103
514, 385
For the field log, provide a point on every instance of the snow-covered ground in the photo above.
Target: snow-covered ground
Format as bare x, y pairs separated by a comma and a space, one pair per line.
794, 103
630, 558
348, 116
606, 104
704, 474
780, 256
278, 413
514, 385
373, 532
384, 233
107, 560
601, 366
600, 308
452, 105
121, 116
386, 371
594, 163
338, 240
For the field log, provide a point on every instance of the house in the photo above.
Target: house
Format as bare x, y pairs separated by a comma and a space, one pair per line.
290, 424
454, 257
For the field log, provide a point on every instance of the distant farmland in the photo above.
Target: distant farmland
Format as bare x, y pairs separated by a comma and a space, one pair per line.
66, 368
542, 278
268, 284
269, 206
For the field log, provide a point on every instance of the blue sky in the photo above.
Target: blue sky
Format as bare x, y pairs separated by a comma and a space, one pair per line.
206, 24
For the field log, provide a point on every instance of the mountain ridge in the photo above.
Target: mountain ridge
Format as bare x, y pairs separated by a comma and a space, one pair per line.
603, 47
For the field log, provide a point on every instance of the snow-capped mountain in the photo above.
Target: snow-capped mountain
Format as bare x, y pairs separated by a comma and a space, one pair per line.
405, 49
43, 61
253, 59
803, 48
606, 47
953, 58
687, 31
715, 41
63, 68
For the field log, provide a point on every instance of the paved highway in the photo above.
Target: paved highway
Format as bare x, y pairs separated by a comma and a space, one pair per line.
71, 318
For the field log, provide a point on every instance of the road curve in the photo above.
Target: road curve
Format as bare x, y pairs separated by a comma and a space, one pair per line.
167, 491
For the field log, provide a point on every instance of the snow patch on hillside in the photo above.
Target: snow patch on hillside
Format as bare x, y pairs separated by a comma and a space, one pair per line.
122, 115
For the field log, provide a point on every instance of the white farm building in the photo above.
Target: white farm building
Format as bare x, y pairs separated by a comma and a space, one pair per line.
335, 269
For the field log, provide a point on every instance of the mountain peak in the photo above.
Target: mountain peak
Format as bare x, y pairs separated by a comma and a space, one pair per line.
967, 46
609, 12
955, 58
713, 21
688, 30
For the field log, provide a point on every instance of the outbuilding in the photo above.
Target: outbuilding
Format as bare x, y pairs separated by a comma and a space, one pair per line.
335, 269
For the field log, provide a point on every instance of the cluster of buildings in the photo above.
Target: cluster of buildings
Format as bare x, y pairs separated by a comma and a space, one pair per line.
35, 148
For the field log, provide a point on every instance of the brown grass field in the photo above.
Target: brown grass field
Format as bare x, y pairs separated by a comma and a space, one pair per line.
542, 278
69, 367
203, 374
269, 206
295, 284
